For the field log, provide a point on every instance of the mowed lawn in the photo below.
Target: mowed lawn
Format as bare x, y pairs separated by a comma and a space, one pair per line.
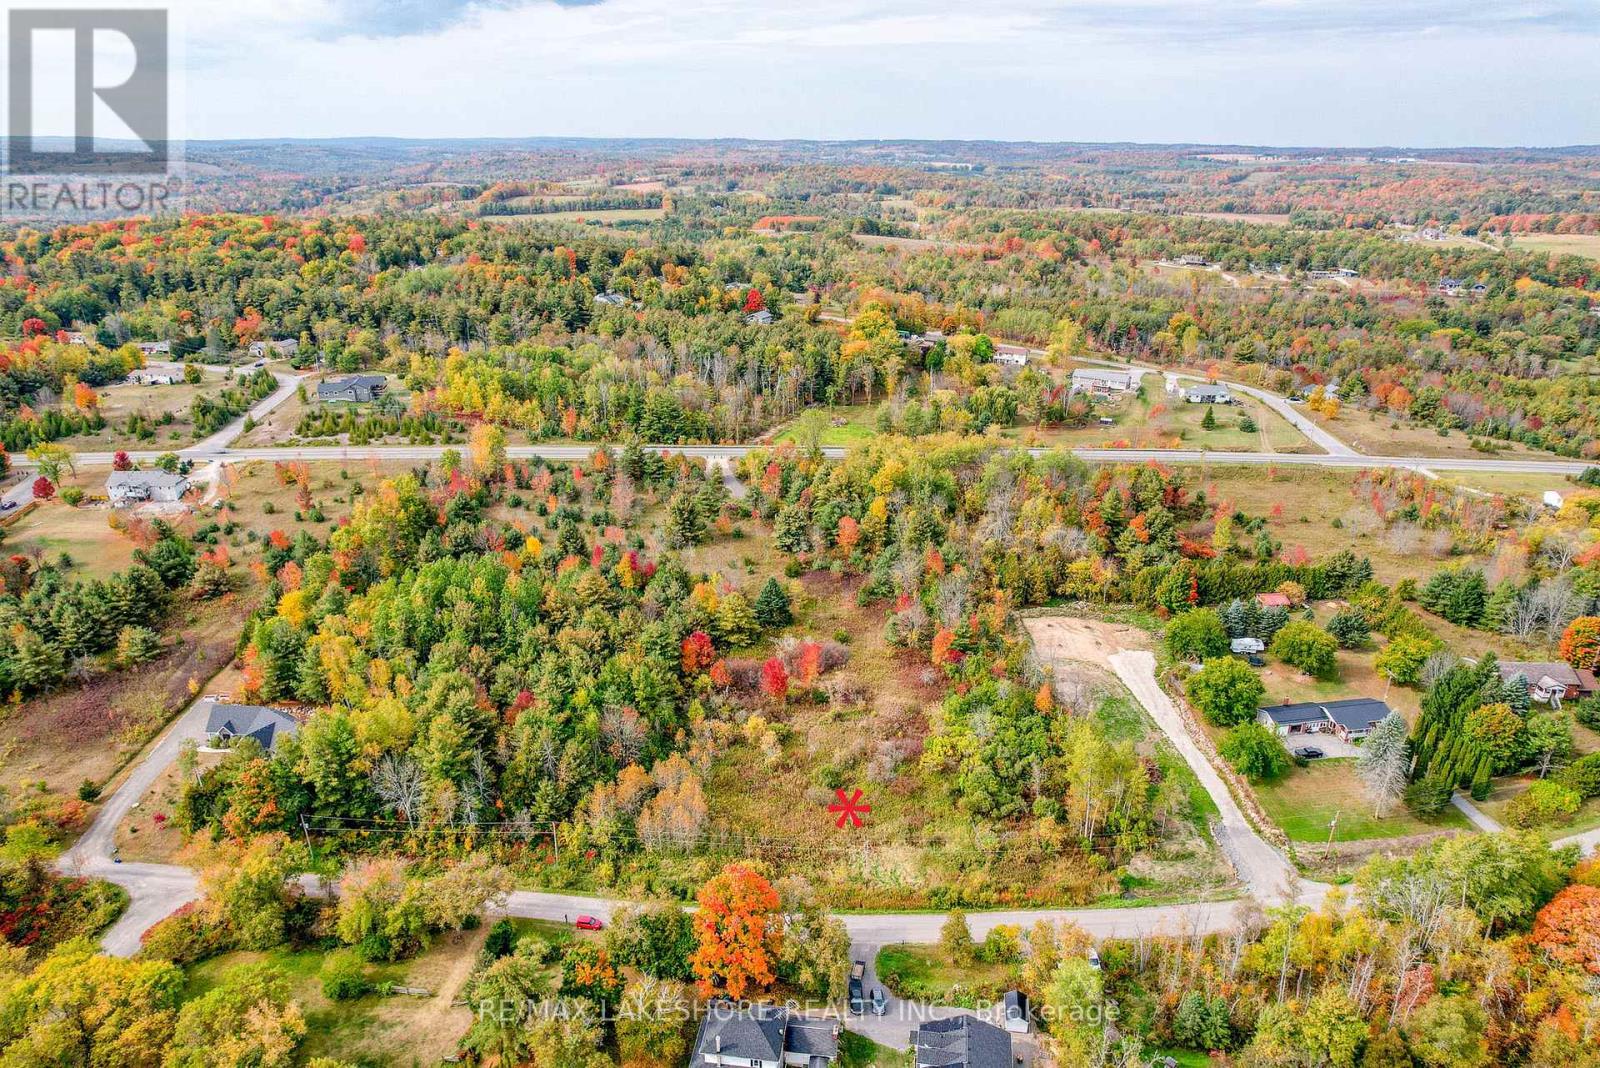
1562, 244
1306, 801
848, 424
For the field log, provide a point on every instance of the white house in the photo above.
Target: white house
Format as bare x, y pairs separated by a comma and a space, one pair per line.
147, 377
1011, 355
77, 337
1208, 394
288, 346
136, 487
155, 348
1104, 381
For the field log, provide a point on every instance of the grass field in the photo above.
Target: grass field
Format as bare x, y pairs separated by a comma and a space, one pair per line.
1565, 244
1159, 421
926, 973
1506, 789
613, 215
848, 424
859, 1051
1380, 434
1305, 801
118, 402
372, 1029
84, 534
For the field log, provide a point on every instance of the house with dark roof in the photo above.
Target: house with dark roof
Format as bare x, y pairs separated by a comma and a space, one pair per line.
961, 1042
356, 388
764, 1036
1349, 719
227, 722
1551, 682
759, 318
1104, 381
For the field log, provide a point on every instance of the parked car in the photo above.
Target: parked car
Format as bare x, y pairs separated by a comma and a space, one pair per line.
858, 971
1309, 752
589, 923
880, 1004
6, 506
1255, 660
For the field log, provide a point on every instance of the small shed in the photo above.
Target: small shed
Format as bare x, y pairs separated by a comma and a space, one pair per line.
1015, 1012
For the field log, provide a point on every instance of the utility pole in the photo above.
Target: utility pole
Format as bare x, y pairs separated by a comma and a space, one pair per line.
1333, 823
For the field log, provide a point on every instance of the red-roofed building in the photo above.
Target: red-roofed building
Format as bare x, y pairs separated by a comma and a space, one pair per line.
1274, 600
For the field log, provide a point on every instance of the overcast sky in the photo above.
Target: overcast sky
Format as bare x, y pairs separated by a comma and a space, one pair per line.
1273, 72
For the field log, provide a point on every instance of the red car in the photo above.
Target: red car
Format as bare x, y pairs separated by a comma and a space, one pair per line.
588, 923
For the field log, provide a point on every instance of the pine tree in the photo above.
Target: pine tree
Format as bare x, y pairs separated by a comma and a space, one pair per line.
1209, 420
790, 531
1383, 763
685, 523
736, 623
772, 606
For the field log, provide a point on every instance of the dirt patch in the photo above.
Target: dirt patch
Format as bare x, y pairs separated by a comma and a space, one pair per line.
1089, 640
429, 1029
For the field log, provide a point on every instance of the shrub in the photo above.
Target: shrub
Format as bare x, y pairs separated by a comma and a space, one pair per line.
1227, 691
185, 937
1428, 796
1543, 803
1307, 647
1197, 635
1255, 751
955, 938
343, 977
72, 495
1582, 776
501, 940
1402, 659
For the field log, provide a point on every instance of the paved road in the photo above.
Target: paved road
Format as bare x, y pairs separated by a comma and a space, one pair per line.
218, 443
155, 890
721, 452
1479, 819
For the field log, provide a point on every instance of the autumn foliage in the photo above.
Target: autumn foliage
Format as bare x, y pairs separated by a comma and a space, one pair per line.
1568, 928
739, 933
1580, 644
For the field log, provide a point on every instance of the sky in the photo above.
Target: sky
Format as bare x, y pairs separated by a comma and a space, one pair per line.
1415, 73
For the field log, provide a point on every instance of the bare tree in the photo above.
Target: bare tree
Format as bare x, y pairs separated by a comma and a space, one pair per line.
397, 781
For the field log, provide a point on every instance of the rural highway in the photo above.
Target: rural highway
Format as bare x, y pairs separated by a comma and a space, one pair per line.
363, 453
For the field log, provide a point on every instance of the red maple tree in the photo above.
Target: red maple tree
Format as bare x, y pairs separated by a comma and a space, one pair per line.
739, 931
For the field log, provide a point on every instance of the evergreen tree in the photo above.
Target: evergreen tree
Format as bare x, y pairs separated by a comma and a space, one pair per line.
1209, 420
686, 525
772, 608
1384, 763
791, 530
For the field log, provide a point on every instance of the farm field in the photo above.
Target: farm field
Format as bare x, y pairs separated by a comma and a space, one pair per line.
52, 528
1564, 244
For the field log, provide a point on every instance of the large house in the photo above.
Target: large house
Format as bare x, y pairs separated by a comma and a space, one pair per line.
764, 1036
1011, 355
130, 487
1553, 682
356, 388
961, 1042
266, 725
155, 348
151, 377
1104, 381
1350, 719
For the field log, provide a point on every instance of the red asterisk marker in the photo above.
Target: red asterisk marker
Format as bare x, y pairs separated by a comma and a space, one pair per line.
849, 809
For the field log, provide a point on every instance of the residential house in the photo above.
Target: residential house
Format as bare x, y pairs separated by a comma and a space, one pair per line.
155, 348
1451, 287
1208, 394
77, 337
1274, 600
137, 487
150, 377
961, 1042
610, 300
1011, 355
1189, 259
764, 1036
1337, 272
1104, 381
288, 346
1349, 719
1550, 683
760, 318
266, 725
356, 388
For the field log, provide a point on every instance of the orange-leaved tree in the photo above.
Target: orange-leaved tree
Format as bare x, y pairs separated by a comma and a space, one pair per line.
1568, 928
1580, 643
739, 931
